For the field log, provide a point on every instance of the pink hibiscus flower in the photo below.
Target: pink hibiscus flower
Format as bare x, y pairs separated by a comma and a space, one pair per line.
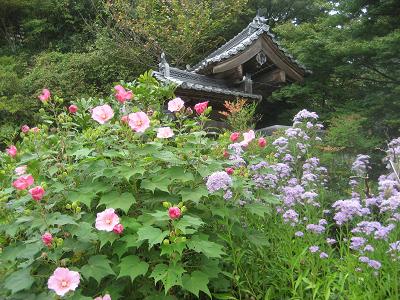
12, 151
63, 280
25, 128
102, 113
139, 121
45, 95
201, 107
121, 94
21, 170
37, 193
107, 220
164, 132
176, 105
234, 136
23, 182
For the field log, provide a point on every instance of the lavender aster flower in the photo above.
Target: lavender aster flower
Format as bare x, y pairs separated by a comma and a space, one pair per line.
299, 233
313, 249
374, 264
323, 255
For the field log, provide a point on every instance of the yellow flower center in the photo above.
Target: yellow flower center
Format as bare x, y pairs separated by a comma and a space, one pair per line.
139, 122
64, 283
108, 221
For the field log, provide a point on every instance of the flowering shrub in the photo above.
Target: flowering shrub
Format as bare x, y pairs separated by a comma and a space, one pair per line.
118, 198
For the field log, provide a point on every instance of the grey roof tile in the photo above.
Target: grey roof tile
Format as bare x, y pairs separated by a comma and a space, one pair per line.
191, 80
240, 42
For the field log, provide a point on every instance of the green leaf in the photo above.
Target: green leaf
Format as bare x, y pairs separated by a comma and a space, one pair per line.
116, 200
196, 282
98, 267
194, 195
133, 267
268, 197
84, 232
168, 157
106, 237
19, 280
176, 247
155, 182
152, 234
188, 221
58, 219
200, 244
128, 172
258, 209
82, 153
169, 275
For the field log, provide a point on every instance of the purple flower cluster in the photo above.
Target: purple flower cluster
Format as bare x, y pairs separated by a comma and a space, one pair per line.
218, 181
374, 228
346, 210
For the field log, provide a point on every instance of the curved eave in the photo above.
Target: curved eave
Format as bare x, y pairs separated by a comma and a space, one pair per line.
207, 64
200, 87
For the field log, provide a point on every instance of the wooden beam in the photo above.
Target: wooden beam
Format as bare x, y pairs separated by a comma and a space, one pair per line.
239, 59
276, 75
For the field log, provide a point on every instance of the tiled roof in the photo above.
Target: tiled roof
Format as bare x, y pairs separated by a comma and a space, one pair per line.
191, 80
240, 42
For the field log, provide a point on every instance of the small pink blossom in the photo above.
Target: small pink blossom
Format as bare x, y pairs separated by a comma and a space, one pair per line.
105, 297
23, 182
47, 239
21, 170
164, 132
176, 105
139, 121
37, 193
201, 107
106, 220
249, 136
25, 128
125, 119
12, 151
229, 171
234, 136
35, 129
118, 229
121, 94
45, 95
63, 280
72, 109
262, 142
174, 212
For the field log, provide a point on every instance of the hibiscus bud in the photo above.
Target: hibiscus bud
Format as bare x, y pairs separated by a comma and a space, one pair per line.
183, 239
74, 205
25, 128
174, 212
68, 206
234, 136
124, 119
166, 204
59, 242
180, 204
72, 109
262, 142
118, 229
166, 242
78, 209
226, 153
44, 255
229, 171
183, 209
47, 239
189, 111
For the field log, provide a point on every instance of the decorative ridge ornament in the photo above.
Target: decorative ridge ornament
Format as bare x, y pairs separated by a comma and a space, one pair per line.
163, 66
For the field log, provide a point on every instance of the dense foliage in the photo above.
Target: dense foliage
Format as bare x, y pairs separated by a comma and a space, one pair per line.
78, 47
117, 198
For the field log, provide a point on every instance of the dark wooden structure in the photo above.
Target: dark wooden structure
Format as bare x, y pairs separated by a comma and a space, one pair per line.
251, 65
